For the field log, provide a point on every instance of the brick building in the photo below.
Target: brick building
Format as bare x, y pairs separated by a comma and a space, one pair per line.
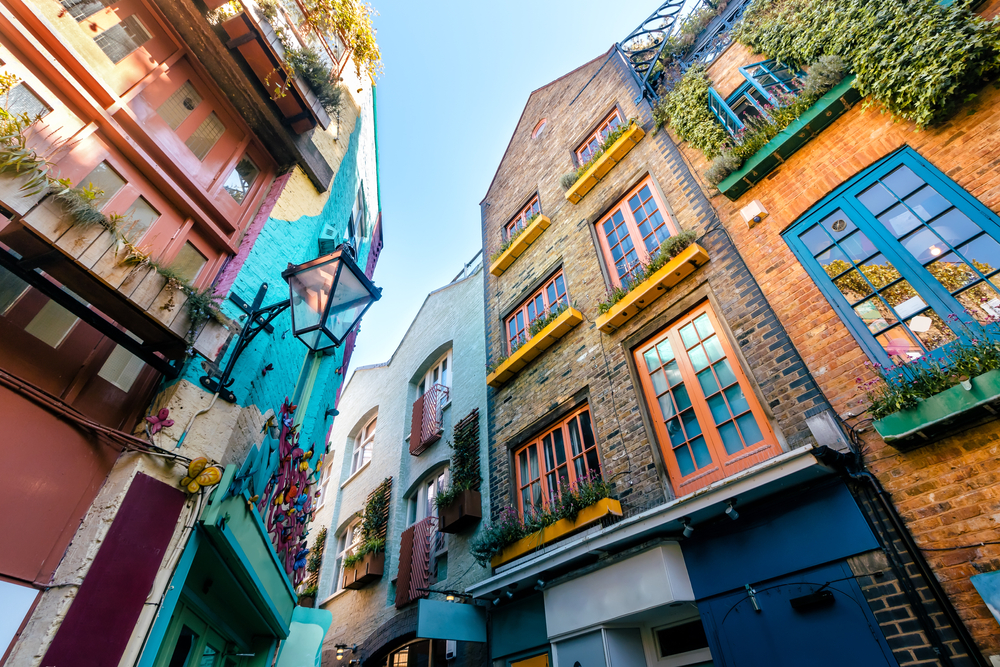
661, 367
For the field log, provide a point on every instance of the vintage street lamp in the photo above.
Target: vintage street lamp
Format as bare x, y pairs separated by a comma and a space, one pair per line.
328, 297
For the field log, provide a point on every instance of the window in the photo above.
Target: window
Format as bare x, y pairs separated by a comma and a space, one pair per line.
363, 446
548, 296
188, 263
706, 417
123, 38
768, 83
241, 179
421, 503
11, 289
20, 99
138, 218
52, 324
538, 128
520, 220
324, 483
346, 542
631, 233
106, 181
682, 643
590, 145
896, 250
121, 368
439, 373
179, 105
357, 225
561, 457
81, 9
205, 136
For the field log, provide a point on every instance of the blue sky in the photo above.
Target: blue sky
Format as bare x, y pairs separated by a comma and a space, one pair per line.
457, 75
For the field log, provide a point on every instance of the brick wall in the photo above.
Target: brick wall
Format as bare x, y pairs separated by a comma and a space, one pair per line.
946, 492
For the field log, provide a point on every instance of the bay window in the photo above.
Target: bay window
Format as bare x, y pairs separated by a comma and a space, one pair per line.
586, 150
706, 418
550, 295
631, 232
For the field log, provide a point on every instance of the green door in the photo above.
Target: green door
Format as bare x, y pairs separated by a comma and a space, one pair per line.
192, 642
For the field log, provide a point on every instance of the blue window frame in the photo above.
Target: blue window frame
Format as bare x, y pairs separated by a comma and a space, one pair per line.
767, 81
902, 252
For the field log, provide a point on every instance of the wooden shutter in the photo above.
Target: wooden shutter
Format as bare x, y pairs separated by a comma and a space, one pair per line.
416, 425
414, 562
405, 568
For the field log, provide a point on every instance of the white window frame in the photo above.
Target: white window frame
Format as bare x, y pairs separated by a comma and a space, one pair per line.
363, 445
421, 502
348, 539
324, 483
441, 372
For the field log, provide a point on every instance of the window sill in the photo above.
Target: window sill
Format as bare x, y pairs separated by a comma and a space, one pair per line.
355, 475
603, 164
916, 426
333, 597
537, 344
520, 244
652, 288
816, 118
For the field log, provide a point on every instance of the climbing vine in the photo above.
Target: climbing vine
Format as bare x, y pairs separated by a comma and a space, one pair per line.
353, 20
685, 109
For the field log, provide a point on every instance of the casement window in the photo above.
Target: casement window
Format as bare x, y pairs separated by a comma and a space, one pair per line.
421, 503
520, 221
586, 150
189, 262
707, 420
123, 38
631, 232
347, 541
363, 446
176, 109
324, 483
551, 294
562, 457
241, 179
439, 373
897, 250
105, 181
21, 99
767, 84
121, 368
205, 136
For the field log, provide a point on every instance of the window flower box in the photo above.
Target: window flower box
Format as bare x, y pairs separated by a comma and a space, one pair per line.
462, 513
933, 416
652, 288
520, 244
365, 571
534, 346
816, 118
602, 165
588, 516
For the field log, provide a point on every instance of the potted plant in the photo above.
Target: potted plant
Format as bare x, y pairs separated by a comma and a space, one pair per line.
460, 507
366, 562
307, 598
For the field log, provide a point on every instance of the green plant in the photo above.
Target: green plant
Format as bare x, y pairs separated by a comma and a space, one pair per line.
465, 471
919, 59
309, 591
669, 249
509, 241
308, 64
367, 547
567, 180
352, 20
613, 136
685, 109
15, 155
316, 553
722, 165
544, 320
825, 73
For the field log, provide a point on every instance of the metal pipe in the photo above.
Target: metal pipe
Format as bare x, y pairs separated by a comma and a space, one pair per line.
180, 441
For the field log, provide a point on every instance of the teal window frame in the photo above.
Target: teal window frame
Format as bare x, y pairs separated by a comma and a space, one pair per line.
937, 297
753, 73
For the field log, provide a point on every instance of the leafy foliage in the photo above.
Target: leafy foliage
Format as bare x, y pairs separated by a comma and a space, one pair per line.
613, 136
465, 470
823, 75
365, 548
308, 64
353, 20
316, 555
686, 110
919, 59
543, 320
512, 237
669, 249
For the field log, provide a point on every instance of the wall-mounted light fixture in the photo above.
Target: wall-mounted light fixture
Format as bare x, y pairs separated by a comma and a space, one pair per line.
731, 509
688, 528
753, 213
343, 647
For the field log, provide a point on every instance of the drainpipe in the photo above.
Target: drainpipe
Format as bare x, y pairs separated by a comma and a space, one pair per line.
180, 441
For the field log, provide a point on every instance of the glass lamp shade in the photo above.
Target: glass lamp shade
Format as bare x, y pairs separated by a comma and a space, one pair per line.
329, 295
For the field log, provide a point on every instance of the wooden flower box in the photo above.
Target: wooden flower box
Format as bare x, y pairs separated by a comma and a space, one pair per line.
588, 516
535, 345
462, 513
652, 288
365, 571
602, 165
934, 417
520, 244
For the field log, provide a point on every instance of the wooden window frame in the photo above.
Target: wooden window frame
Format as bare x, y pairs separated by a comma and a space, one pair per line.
520, 221
723, 464
549, 491
632, 225
528, 310
594, 140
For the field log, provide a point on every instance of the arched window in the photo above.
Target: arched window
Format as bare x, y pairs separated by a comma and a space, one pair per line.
538, 128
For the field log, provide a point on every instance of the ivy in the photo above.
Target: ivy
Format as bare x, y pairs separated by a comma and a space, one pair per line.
352, 19
465, 472
918, 59
685, 108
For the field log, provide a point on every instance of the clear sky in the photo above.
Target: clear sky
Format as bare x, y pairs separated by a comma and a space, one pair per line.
457, 76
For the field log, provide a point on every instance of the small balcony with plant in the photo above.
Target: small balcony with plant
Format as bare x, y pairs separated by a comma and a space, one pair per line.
616, 145
426, 424
517, 242
460, 506
365, 564
543, 332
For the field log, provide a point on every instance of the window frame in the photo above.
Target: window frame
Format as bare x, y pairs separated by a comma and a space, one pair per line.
526, 306
538, 443
723, 464
599, 134
520, 221
445, 367
364, 442
722, 107
632, 226
936, 296
347, 539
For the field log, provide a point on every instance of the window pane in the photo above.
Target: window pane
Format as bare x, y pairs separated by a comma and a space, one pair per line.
725, 373
681, 396
691, 425
81, 9
737, 401
666, 407
834, 261
815, 239
652, 360
952, 272
707, 381
899, 220
877, 198
205, 136
138, 219
20, 100
838, 224
879, 271
899, 343
105, 180
665, 350
704, 326
560, 447
698, 358
241, 179
52, 324
749, 429
714, 349
927, 203
574, 437
675, 432
123, 38
902, 181
673, 373
689, 336
702, 457
684, 460
857, 246
717, 404
930, 330
188, 263
955, 227
875, 314
179, 105
924, 245
982, 302
121, 368
588, 431
730, 438
11, 289
659, 382
904, 299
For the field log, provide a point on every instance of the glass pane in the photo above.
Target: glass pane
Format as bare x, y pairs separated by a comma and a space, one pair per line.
684, 461
897, 342
592, 461
833, 261
737, 401
698, 358
853, 286
691, 425
924, 245
952, 272
179, 105
879, 271
241, 179
688, 335
955, 227
930, 330
20, 99
904, 299
982, 302
182, 649
51, 324
652, 361
704, 326
902, 181
205, 136
702, 457
857, 246
665, 350
550, 462
11, 289
838, 224
877, 198
574, 437
666, 407
725, 373
123, 38
875, 314
533, 462
347, 302
927, 203
707, 381
137, 219
815, 239
522, 460
749, 429
983, 252
659, 382
675, 432
717, 404
899, 220
673, 373
681, 397
713, 346
105, 180
730, 438
560, 447
588, 431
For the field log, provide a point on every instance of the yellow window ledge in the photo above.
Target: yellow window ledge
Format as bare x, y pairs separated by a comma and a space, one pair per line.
520, 244
588, 516
652, 288
535, 345
603, 164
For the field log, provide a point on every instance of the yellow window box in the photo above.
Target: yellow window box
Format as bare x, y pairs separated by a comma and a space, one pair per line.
588, 516
535, 345
603, 164
652, 288
520, 244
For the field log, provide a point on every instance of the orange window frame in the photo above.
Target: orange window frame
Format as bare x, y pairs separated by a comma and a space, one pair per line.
516, 324
707, 419
559, 459
590, 145
631, 232
520, 220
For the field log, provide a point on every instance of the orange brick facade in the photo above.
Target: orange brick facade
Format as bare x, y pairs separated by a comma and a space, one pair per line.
947, 491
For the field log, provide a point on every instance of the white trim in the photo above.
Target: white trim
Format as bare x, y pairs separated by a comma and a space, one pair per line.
356, 473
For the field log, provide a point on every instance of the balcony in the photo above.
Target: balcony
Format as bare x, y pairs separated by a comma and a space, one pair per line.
602, 165
816, 118
415, 547
426, 424
524, 239
533, 347
652, 288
